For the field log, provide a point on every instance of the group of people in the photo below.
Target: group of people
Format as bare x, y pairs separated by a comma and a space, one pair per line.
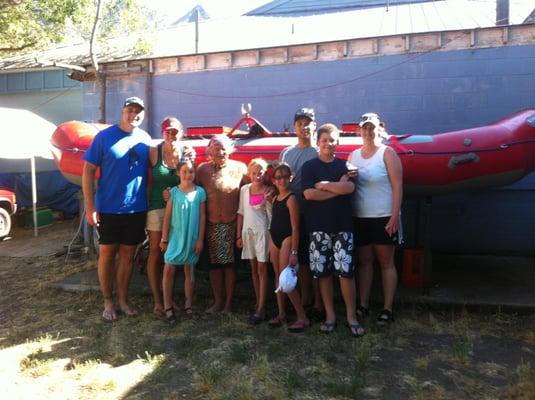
314, 214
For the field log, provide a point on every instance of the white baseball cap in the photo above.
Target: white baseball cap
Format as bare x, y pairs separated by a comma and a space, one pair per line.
287, 279
370, 117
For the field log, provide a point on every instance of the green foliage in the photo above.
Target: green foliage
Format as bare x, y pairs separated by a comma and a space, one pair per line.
35, 24
29, 24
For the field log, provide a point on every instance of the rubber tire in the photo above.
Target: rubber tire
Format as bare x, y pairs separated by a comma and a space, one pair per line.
5, 222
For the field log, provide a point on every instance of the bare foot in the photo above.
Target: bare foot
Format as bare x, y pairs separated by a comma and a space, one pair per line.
109, 315
213, 309
127, 310
158, 311
226, 311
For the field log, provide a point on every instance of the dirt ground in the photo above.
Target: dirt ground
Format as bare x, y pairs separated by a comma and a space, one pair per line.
53, 345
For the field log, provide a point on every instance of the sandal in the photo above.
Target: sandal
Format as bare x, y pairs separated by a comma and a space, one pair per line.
298, 326
328, 327
170, 316
362, 312
276, 322
356, 329
255, 319
386, 317
188, 311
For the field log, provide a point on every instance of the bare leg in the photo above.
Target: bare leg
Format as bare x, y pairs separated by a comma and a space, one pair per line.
216, 281
188, 286
124, 274
326, 288
385, 257
347, 287
305, 284
295, 298
106, 274
230, 279
318, 304
262, 288
365, 256
154, 270
254, 276
168, 285
281, 297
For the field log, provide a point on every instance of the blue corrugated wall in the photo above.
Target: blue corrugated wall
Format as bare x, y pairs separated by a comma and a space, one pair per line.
431, 93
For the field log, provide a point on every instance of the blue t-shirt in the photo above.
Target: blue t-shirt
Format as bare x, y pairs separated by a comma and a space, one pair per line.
333, 215
123, 160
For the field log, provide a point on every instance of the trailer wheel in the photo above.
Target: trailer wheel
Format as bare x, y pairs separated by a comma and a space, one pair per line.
5, 222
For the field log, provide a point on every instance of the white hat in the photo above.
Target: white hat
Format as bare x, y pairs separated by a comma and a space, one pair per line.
287, 279
372, 118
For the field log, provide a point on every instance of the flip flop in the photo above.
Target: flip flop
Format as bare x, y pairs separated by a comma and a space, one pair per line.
170, 316
298, 326
188, 310
255, 319
356, 330
109, 315
328, 327
276, 322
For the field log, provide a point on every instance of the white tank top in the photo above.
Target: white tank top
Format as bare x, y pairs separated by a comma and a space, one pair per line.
373, 195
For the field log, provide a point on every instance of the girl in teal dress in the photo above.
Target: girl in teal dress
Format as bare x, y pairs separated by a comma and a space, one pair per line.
182, 235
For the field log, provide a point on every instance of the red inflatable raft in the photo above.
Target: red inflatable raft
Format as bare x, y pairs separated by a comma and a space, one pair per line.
492, 155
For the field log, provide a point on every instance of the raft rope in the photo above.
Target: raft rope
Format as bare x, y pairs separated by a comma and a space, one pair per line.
503, 146
400, 150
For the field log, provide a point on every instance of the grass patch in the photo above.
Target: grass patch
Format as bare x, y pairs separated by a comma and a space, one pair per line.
221, 357
524, 387
462, 349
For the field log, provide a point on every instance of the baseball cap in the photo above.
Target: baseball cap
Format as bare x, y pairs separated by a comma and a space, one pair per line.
372, 118
305, 112
171, 123
134, 100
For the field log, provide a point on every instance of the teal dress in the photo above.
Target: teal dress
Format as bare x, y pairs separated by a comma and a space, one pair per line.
184, 228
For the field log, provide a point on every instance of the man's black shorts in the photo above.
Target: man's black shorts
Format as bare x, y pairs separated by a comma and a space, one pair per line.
126, 229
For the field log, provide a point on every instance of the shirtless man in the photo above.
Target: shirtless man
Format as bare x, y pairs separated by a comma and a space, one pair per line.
221, 178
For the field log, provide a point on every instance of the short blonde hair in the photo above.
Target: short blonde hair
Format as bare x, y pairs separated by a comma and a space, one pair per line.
257, 162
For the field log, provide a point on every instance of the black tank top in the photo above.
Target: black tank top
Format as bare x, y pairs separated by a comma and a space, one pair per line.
281, 224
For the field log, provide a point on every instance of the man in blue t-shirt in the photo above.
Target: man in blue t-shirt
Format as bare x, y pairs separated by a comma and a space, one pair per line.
295, 156
121, 153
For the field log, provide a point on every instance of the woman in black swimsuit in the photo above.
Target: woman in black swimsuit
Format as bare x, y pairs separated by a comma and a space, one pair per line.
283, 245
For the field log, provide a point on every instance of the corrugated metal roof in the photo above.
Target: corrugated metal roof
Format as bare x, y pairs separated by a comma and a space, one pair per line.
308, 7
247, 32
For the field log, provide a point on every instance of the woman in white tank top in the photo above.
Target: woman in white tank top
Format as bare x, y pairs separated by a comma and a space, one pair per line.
376, 211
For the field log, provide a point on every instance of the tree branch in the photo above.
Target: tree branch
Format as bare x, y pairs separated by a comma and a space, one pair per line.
18, 48
92, 42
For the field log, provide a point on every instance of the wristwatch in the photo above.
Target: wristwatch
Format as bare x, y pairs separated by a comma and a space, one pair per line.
293, 252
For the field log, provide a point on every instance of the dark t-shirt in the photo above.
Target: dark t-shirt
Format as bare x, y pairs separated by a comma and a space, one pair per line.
333, 215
